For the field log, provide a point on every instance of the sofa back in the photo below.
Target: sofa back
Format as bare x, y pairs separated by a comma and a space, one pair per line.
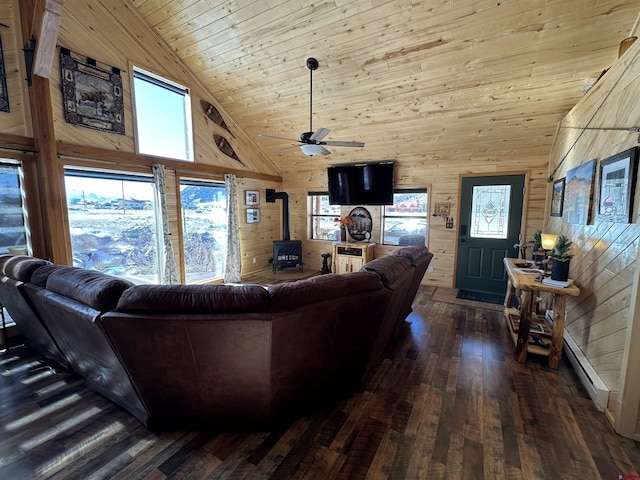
395, 273
241, 355
70, 306
15, 272
420, 258
324, 329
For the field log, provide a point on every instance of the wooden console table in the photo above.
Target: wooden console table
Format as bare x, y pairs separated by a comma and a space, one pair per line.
351, 257
529, 287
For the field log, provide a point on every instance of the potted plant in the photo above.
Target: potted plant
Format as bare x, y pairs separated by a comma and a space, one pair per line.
560, 256
344, 222
537, 243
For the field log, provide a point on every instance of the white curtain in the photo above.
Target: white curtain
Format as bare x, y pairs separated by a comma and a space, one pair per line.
169, 272
234, 262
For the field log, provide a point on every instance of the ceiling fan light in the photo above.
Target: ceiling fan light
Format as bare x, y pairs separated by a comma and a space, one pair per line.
311, 150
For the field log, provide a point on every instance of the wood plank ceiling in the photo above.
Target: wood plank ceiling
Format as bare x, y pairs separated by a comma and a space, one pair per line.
412, 79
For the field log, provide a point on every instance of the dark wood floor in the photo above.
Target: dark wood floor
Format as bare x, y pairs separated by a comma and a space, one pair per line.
449, 402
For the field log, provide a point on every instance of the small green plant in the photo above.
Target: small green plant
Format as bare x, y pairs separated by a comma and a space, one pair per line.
537, 238
560, 251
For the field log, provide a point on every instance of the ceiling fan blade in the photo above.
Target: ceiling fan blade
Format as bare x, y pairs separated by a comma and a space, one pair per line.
286, 148
279, 138
319, 134
344, 144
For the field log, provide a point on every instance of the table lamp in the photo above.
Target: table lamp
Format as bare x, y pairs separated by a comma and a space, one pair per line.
548, 243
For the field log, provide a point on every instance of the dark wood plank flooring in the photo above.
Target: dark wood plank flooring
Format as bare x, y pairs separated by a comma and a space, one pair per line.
448, 402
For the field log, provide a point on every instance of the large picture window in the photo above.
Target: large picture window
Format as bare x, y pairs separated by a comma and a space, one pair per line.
13, 226
113, 224
323, 226
405, 222
163, 116
204, 229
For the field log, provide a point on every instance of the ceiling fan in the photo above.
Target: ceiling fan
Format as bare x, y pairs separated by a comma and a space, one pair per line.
311, 143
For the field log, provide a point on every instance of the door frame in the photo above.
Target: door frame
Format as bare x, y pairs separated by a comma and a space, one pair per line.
525, 205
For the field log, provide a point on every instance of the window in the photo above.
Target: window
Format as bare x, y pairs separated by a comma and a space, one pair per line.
163, 117
405, 222
14, 236
204, 229
490, 211
323, 226
113, 224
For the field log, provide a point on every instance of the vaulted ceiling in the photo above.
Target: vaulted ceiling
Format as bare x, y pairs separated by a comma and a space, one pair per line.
414, 80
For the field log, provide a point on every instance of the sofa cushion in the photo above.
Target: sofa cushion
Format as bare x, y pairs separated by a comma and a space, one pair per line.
286, 296
90, 287
3, 259
194, 299
41, 274
413, 253
21, 267
390, 268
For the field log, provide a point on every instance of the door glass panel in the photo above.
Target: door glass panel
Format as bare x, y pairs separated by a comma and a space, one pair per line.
204, 226
490, 211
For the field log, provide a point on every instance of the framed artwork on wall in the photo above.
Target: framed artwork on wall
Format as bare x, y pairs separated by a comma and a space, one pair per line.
92, 96
253, 215
578, 194
617, 187
252, 197
557, 197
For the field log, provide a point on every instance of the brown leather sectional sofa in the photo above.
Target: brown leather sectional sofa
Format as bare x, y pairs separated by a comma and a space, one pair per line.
214, 356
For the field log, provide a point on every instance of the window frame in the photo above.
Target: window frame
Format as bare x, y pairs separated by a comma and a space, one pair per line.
175, 87
384, 216
5, 162
117, 175
312, 216
205, 182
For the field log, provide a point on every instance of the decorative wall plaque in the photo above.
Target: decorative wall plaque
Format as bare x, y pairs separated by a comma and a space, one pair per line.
92, 96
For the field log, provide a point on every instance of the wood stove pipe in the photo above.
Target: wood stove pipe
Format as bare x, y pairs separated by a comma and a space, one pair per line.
271, 197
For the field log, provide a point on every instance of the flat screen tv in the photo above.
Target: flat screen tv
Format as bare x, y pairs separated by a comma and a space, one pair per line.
361, 184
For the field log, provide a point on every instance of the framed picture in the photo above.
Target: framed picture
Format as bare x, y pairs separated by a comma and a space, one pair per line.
253, 215
252, 197
617, 187
442, 209
578, 194
557, 198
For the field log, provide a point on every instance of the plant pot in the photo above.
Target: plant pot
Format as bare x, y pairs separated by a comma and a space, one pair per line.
559, 270
22, 250
534, 257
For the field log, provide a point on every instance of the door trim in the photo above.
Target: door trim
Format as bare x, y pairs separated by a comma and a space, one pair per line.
525, 206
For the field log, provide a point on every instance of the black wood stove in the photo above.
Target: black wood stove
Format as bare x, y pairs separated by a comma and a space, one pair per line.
286, 252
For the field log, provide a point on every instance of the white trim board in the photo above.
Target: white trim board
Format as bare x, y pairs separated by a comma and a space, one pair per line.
592, 382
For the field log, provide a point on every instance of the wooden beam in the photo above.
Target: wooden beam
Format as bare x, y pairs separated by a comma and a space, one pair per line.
55, 223
17, 142
46, 26
96, 153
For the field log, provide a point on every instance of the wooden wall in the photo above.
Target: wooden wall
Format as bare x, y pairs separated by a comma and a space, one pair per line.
117, 36
17, 120
605, 263
441, 176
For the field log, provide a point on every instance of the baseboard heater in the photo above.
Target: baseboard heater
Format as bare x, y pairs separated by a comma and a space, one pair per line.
592, 382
